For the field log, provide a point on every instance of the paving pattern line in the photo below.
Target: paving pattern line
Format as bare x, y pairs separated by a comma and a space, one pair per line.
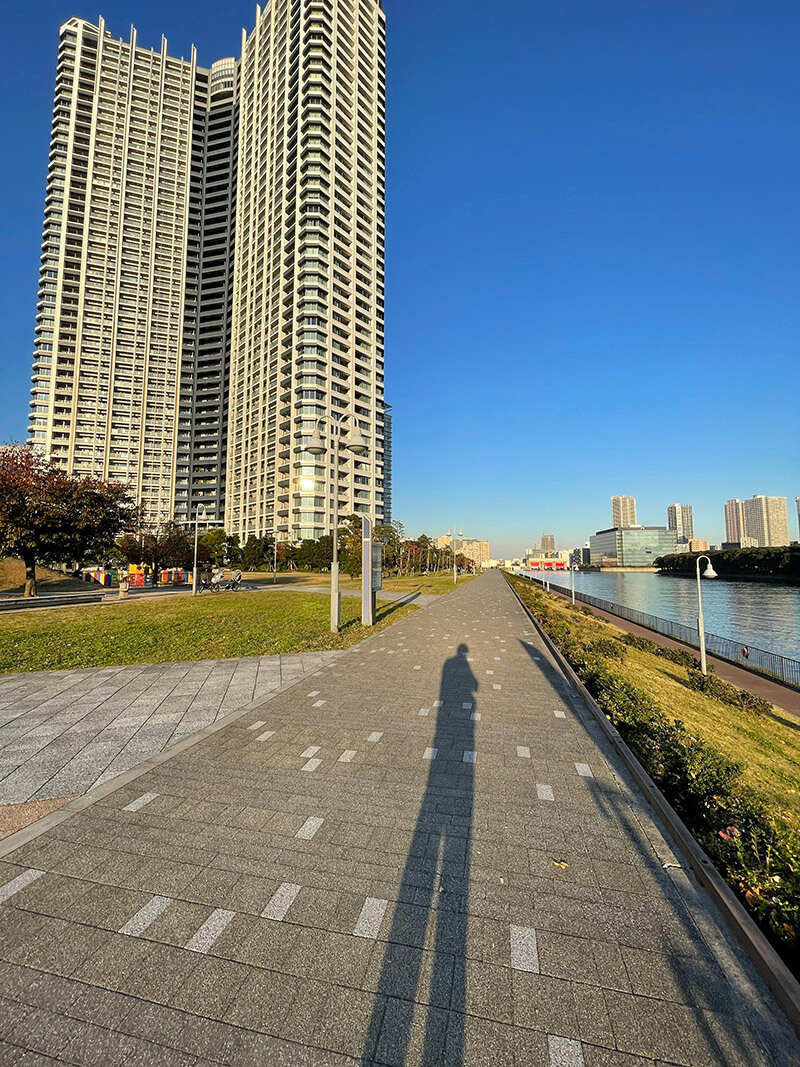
281, 901
20, 882
209, 932
371, 917
145, 916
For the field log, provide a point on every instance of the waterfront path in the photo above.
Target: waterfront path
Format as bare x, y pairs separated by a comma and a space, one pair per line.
424, 853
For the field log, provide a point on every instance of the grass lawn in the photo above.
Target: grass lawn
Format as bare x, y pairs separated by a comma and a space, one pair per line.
769, 747
435, 584
164, 629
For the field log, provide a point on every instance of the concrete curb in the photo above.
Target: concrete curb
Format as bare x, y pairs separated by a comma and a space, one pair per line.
35, 829
760, 952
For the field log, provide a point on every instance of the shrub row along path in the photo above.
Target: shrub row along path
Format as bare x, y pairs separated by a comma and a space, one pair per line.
779, 695
65, 732
425, 853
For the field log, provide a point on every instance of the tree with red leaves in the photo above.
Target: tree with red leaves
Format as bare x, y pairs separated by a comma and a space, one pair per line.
48, 517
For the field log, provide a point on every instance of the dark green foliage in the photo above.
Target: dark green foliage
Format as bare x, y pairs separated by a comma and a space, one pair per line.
683, 657
783, 562
713, 686
756, 851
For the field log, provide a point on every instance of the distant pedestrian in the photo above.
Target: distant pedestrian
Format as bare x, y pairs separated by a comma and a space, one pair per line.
745, 652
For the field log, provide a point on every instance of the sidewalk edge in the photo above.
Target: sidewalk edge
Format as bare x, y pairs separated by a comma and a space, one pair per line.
762, 955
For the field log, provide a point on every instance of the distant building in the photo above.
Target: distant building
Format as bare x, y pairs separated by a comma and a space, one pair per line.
623, 511
548, 543
797, 501
636, 546
679, 519
766, 518
477, 551
734, 521
698, 545
581, 557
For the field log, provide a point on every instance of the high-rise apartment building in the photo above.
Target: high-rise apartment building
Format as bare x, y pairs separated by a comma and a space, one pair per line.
548, 543
766, 518
212, 269
734, 521
679, 519
623, 511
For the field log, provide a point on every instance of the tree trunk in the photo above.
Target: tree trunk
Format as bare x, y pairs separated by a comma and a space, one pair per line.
30, 576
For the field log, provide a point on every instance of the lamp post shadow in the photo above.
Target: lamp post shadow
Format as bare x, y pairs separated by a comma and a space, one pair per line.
430, 982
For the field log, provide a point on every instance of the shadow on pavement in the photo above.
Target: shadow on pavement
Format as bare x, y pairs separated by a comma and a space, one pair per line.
436, 880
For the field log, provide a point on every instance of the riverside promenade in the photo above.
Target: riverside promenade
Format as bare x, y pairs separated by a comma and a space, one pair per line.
422, 853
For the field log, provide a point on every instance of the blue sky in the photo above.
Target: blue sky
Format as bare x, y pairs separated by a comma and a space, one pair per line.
592, 245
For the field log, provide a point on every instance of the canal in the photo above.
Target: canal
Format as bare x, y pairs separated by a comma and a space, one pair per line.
762, 614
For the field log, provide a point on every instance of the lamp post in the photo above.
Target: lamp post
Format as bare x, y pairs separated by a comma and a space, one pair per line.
358, 445
572, 580
455, 565
274, 559
709, 572
200, 508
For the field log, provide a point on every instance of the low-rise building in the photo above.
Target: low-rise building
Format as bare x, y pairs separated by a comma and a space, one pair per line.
631, 546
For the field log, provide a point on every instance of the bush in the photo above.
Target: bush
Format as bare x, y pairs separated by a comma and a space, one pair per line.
754, 850
713, 686
683, 657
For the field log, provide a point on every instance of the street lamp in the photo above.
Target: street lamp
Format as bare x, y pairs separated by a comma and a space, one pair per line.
709, 572
455, 567
572, 580
200, 510
358, 445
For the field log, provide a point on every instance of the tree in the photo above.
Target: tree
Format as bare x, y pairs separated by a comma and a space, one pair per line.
257, 552
212, 546
350, 536
46, 516
163, 545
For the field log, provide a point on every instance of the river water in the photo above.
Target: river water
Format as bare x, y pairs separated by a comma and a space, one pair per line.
758, 614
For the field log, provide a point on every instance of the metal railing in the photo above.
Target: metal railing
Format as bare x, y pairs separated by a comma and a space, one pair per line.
758, 660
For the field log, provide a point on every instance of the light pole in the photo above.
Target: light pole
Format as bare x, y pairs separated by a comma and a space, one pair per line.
358, 445
274, 559
455, 566
709, 572
200, 508
572, 580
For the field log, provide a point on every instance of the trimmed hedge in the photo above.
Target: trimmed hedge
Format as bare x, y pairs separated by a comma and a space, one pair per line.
755, 850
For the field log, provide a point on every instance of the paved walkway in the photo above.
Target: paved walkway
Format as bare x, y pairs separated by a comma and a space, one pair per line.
427, 856
65, 732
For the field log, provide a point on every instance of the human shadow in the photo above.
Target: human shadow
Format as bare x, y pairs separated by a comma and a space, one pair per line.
435, 883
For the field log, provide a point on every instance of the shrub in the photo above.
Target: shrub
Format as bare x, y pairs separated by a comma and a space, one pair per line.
713, 686
754, 850
682, 656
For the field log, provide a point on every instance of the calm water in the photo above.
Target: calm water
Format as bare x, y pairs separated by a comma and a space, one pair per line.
753, 613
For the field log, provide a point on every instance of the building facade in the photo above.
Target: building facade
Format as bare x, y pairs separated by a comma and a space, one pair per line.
477, 551
734, 521
635, 546
548, 543
766, 518
623, 511
679, 519
212, 269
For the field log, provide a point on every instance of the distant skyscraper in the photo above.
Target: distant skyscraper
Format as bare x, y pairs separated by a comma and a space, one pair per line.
734, 521
623, 511
679, 519
548, 543
797, 501
766, 518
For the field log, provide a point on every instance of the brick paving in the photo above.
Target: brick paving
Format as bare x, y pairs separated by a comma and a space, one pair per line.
423, 854
65, 732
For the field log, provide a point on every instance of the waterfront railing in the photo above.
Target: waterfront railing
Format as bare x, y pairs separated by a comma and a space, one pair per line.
779, 668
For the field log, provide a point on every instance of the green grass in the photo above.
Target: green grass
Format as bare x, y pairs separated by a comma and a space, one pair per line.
433, 584
768, 747
164, 629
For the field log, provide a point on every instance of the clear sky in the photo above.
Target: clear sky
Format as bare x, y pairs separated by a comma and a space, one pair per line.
592, 244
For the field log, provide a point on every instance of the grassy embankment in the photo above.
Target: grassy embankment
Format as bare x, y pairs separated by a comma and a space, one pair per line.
166, 629
732, 774
12, 579
432, 584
